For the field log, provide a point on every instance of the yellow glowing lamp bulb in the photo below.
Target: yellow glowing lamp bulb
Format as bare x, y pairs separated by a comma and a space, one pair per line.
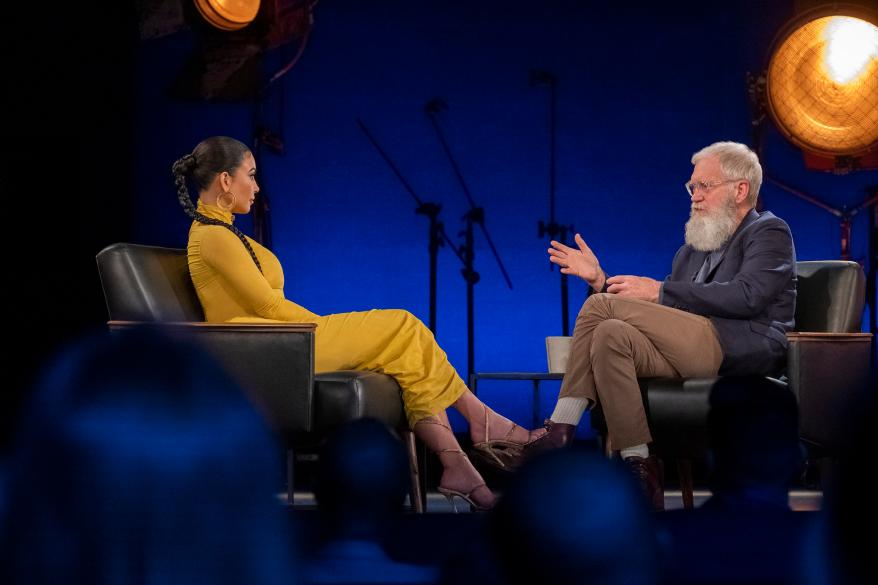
851, 44
822, 85
228, 14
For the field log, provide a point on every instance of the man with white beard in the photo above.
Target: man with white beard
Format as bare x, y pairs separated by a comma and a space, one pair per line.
724, 309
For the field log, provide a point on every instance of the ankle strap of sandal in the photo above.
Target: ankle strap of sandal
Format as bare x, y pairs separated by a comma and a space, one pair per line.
432, 420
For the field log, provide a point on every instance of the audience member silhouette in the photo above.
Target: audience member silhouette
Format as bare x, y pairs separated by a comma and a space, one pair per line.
138, 461
745, 532
753, 429
838, 551
574, 517
362, 480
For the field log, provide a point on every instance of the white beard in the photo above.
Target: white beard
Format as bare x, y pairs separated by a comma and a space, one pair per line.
707, 233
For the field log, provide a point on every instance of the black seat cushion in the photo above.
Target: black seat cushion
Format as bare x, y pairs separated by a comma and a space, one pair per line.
349, 394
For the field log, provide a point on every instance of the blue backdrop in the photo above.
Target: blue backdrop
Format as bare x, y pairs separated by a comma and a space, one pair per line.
640, 88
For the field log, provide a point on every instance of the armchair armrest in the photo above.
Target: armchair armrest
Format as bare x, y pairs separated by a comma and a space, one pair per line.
183, 326
829, 374
273, 363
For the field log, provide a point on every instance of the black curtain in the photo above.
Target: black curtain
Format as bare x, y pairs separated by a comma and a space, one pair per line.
67, 180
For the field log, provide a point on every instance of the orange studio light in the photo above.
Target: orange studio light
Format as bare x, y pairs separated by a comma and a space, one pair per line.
228, 14
822, 83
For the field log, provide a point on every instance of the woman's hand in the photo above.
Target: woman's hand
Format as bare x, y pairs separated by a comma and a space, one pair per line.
582, 262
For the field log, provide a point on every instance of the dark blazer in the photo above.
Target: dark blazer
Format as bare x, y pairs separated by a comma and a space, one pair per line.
750, 295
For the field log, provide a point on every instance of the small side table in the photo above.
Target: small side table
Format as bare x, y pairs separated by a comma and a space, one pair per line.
535, 377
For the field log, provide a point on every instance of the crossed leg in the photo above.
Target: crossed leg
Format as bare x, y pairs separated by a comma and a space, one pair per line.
617, 339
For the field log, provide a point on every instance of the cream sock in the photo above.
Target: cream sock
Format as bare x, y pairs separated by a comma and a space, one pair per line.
636, 451
569, 410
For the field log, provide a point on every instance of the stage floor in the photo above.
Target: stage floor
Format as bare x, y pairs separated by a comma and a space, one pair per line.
800, 501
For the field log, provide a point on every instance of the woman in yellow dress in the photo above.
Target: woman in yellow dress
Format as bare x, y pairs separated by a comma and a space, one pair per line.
238, 280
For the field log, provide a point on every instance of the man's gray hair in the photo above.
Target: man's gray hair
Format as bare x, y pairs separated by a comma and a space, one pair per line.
737, 161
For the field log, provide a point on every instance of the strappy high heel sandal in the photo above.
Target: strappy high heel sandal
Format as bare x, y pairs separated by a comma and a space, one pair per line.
504, 454
450, 494
441, 441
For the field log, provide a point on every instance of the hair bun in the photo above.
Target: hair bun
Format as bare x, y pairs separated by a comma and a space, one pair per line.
184, 164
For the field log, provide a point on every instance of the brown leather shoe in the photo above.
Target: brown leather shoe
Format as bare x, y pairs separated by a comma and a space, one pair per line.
650, 474
559, 435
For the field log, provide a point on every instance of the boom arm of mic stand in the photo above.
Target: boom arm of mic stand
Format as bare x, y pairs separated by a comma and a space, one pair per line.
432, 108
428, 209
493, 248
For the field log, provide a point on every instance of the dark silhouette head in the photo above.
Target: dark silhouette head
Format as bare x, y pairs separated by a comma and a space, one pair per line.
573, 516
753, 427
140, 462
362, 480
837, 551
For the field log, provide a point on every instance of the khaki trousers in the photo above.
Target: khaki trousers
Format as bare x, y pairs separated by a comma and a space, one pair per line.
617, 339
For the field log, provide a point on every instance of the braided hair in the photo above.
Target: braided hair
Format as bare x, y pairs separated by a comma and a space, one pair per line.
212, 156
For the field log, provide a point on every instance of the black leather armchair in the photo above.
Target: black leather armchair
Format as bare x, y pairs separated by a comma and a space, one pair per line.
148, 286
828, 364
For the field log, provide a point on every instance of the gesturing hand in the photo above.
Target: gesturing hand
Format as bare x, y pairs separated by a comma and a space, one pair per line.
582, 262
638, 287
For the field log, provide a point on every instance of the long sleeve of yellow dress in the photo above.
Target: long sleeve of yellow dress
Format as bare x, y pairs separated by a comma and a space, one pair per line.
394, 342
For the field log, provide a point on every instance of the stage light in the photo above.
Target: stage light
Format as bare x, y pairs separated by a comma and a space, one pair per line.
851, 44
226, 64
822, 84
228, 14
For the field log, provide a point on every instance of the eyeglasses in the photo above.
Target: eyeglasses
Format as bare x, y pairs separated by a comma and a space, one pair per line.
693, 186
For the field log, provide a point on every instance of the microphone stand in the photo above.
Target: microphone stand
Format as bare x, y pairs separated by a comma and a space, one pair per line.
553, 229
437, 236
475, 215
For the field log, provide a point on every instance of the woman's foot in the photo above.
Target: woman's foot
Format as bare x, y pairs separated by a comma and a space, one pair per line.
493, 428
460, 479
499, 442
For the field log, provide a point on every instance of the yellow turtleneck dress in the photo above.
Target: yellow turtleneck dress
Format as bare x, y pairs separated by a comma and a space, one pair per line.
391, 341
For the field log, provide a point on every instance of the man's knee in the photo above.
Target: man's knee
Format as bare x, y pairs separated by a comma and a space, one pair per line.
594, 302
610, 336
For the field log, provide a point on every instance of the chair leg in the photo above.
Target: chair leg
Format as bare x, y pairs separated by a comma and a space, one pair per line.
291, 461
414, 475
604, 441
684, 472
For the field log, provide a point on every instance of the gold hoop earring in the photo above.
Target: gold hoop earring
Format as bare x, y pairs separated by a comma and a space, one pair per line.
226, 201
